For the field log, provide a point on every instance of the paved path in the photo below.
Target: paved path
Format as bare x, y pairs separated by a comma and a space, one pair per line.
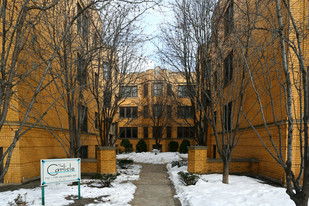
154, 187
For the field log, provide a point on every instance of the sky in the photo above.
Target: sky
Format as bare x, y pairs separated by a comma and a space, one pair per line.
151, 22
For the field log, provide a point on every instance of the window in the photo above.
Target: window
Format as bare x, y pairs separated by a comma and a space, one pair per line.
157, 132
83, 152
81, 70
79, 19
169, 111
146, 112
96, 120
145, 132
157, 89
84, 126
185, 132
169, 132
185, 112
82, 22
228, 19
228, 68
95, 40
128, 132
206, 98
215, 118
128, 91
128, 112
106, 70
169, 90
214, 155
215, 80
228, 116
185, 90
157, 110
96, 80
206, 68
107, 99
145, 90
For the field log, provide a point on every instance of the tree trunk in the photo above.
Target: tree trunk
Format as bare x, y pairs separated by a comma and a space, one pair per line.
300, 199
226, 167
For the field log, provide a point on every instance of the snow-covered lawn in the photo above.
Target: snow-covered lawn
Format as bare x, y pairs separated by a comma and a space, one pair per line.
152, 158
241, 191
119, 194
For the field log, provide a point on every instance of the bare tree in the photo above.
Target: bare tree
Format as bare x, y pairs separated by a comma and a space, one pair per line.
279, 81
23, 78
158, 104
122, 36
214, 70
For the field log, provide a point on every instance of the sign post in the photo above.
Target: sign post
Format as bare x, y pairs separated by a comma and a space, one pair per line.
60, 170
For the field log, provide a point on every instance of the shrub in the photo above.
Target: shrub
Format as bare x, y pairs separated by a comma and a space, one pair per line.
141, 146
125, 163
173, 146
127, 145
188, 178
179, 163
20, 200
105, 179
183, 146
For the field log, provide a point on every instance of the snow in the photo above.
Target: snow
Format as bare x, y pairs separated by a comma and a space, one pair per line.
119, 194
241, 191
150, 157
209, 190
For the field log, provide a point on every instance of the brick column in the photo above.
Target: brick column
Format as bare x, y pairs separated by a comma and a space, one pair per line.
106, 160
197, 159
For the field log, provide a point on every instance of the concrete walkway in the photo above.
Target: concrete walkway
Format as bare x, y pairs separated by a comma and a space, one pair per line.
154, 187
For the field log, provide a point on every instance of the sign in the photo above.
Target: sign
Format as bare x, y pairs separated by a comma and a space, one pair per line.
60, 170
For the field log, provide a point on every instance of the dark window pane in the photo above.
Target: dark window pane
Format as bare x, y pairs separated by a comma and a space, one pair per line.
84, 127
145, 132
169, 132
179, 132
134, 132
128, 112
122, 112
186, 132
169, 111
146, 111
134, 112
83, 152
122, 132
145, 90
96, 120
128, 132
169, 89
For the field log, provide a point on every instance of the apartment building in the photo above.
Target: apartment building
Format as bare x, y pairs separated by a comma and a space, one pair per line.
156, 108
54, 63
247, 74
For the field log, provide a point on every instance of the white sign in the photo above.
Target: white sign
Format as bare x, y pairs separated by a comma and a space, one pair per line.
60, 170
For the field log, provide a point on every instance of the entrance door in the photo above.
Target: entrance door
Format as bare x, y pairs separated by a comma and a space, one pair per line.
1, 165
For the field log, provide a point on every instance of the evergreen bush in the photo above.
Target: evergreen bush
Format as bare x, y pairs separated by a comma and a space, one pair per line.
188, 178
141, 146
127, 145
125, 163
183, 146
173, 146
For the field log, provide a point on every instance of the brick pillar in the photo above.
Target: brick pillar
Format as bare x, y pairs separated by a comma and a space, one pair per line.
106, 160
197, 159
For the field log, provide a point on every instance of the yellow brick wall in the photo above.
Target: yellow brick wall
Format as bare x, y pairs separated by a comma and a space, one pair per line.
35, 145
